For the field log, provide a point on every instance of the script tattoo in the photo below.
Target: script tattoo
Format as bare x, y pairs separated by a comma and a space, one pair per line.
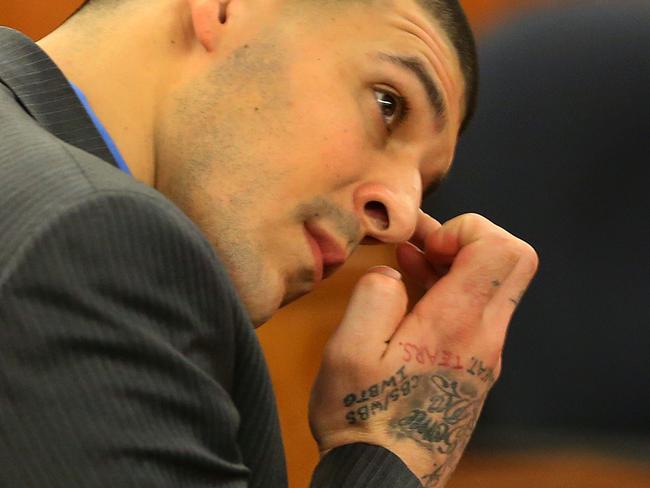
444, 426
437, 410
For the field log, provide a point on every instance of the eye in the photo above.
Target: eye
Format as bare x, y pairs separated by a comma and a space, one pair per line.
392, 106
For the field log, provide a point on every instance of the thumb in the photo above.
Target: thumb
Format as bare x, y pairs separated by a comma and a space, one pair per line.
376, 308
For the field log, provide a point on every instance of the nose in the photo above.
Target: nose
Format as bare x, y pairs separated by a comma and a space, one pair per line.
388, 211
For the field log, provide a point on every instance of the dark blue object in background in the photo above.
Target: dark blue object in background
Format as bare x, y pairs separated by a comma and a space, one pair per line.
559, 154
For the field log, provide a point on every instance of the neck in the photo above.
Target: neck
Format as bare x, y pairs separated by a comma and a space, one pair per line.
105, 56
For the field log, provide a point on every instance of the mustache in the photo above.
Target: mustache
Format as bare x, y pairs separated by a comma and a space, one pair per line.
345, 223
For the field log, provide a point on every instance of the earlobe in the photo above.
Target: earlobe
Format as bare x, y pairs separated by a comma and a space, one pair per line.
207, 18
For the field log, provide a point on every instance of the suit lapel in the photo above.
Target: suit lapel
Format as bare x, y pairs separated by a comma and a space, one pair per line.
44, 92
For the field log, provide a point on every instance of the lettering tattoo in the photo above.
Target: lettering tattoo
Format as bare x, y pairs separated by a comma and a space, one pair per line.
446, 359
437, 410
422, 355
378, 397
444, 426
478, 369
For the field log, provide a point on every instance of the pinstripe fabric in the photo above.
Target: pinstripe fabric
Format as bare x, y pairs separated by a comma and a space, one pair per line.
126, 357
374, 465
39, 85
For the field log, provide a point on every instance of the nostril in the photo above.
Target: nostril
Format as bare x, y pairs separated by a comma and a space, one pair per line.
223, 17
370, 241
378, 213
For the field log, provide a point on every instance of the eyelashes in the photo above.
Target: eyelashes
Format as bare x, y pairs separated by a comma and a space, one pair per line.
393, 107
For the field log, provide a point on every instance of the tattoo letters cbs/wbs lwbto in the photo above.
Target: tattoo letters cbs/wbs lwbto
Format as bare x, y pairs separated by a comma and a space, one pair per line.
437, 411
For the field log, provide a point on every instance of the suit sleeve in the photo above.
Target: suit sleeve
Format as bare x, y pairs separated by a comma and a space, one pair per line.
117, 345
120, 340
363, 465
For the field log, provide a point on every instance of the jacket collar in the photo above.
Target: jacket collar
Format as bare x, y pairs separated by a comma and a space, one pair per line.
45, 94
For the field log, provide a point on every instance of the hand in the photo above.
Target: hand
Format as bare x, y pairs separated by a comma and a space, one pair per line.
415, 382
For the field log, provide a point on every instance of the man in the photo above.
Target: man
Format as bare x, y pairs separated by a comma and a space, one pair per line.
288, 131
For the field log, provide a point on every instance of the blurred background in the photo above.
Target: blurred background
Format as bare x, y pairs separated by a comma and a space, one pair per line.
559, 154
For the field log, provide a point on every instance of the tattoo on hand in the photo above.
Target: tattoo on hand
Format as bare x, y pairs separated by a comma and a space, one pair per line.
421, 354
446, 359
438, 411
478, 369
445, 426
378, 397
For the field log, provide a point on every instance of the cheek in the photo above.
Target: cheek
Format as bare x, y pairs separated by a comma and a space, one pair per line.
343, 154
329, 146
323, 162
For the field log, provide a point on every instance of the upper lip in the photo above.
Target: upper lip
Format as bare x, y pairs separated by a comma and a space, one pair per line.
334, 255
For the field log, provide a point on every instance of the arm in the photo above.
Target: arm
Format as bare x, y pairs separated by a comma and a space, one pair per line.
414, 383
118, 335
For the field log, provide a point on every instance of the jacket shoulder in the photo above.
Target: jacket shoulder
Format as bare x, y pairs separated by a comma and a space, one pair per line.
42, 177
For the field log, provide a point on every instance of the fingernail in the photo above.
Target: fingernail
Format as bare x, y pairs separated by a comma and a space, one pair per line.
388, 271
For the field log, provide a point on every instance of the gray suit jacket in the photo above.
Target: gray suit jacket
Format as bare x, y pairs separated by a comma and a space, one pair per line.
126, 358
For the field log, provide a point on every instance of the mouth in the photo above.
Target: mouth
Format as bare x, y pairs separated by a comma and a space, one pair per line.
328, 254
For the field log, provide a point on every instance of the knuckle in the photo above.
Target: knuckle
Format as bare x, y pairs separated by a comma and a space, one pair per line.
513, 250
380, 284
475, 222
475, 218
348, 357
496, 372
510, 250
530, 257
457, 325
335, 360
494, 347
331, 353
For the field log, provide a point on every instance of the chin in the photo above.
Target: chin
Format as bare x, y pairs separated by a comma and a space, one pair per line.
262, 304
261, 317
260, 321
263, 309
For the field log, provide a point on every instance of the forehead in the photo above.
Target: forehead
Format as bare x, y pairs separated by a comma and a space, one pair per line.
374, 28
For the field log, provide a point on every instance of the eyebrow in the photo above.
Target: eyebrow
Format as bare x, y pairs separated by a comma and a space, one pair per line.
416, 67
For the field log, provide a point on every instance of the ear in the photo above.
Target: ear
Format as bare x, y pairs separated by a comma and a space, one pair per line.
208, 19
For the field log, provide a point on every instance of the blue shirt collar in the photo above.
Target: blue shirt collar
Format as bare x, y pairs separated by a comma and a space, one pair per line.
102, 130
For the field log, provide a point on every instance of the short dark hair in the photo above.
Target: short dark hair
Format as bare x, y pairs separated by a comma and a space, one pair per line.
451, 17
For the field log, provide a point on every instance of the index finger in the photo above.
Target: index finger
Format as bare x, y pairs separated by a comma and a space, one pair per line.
423, 228
484, 259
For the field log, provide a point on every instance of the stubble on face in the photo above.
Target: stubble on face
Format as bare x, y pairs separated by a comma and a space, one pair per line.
224, 151
238, 158
208, 163
345, 224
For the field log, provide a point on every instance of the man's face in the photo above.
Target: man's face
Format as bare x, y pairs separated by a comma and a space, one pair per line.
312, 130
